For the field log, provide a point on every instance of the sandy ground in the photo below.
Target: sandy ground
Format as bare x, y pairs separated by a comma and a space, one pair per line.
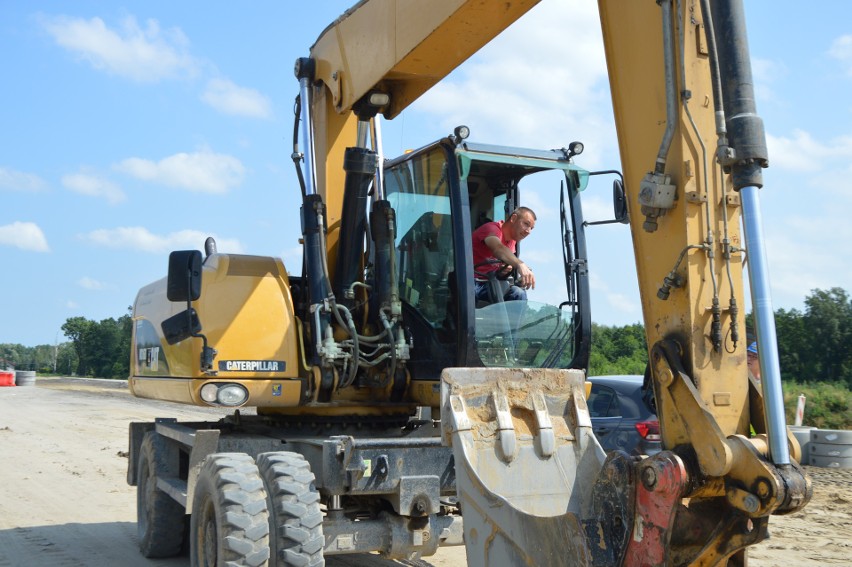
64, 499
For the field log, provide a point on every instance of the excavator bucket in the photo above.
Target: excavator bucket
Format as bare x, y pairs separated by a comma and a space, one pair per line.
526, 461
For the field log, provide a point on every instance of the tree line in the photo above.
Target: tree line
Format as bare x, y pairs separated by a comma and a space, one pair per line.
814, 345
99, 349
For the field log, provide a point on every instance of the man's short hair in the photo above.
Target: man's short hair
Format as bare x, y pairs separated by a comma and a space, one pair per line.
520, 210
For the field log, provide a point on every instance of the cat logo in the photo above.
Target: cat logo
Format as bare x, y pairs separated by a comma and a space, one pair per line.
252, 365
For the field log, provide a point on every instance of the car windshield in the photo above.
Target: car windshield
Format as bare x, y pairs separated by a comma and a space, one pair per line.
524, 334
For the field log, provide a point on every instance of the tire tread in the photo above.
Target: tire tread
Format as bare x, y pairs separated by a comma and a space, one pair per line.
233, 481
161, 532
296, 536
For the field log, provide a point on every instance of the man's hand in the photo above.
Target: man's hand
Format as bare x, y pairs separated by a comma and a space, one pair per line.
526, 278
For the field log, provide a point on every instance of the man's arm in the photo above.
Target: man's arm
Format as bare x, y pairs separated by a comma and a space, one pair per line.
502, 253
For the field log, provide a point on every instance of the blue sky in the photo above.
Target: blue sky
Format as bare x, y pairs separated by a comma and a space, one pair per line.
130, 129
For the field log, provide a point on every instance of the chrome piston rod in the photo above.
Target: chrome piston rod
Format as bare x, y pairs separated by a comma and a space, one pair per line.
764, 317
307, 135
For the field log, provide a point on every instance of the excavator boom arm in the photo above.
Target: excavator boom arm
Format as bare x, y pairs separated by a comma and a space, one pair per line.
692, 148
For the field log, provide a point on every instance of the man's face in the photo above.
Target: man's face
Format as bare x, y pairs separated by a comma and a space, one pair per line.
522, 225
753, 364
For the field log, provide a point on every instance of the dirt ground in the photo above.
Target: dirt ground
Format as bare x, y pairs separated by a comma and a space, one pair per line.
64, 499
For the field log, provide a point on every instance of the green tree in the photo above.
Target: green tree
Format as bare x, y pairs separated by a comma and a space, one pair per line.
618, 350
66, 359
79, 330
11, 354
122, 354
816, 346
43, 358
828, 320
102, 348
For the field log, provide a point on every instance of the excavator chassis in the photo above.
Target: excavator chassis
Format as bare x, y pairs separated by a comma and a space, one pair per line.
516, 456
390, 494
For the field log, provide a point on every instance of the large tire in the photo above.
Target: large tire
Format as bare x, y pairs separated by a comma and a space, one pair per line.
229, 524
159, 518
295, 518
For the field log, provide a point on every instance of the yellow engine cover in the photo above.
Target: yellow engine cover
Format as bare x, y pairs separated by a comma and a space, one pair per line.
246, 312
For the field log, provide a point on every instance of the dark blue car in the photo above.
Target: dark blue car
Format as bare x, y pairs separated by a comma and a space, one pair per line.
621, 417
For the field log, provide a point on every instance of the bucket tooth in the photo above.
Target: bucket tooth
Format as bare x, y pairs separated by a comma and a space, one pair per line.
505, 429
547, 439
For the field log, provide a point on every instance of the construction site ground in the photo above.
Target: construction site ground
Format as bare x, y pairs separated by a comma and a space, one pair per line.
65, 501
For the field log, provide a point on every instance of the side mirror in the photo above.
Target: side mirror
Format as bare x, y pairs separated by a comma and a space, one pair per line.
619, 202
619, 199
181, 326
184, 281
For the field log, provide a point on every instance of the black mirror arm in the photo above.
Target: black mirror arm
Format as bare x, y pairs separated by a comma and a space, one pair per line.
207, 353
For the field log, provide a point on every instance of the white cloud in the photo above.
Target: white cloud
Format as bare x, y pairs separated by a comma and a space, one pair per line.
93, 186
621, 303
204, 171
805, 205
91, 284
597, 207
141, 239
802, 257
20, 181
24, 235
145, 55
801, 152
841, 49
71, 304
533, 200
225, 96
542, 83
292, 258
616, 306
768, 72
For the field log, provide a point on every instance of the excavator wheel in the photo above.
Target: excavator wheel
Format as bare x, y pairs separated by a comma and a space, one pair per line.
159, 518
295, 518
230, 522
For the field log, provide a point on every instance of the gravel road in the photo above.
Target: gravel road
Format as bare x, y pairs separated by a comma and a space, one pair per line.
64, 499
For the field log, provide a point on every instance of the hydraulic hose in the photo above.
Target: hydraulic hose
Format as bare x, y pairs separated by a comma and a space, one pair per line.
349, 324
671, 93
716, 310
723, 154
389, 329
715, 73
297, 155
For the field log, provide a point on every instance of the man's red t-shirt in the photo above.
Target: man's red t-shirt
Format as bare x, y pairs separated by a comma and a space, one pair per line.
481, 251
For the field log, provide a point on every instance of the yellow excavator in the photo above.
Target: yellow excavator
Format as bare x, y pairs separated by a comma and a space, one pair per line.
378, 407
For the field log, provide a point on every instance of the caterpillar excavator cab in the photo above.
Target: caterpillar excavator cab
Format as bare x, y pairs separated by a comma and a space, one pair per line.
441, 193
341, 360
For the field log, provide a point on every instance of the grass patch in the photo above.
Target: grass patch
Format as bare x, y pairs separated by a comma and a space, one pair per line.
828, 405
